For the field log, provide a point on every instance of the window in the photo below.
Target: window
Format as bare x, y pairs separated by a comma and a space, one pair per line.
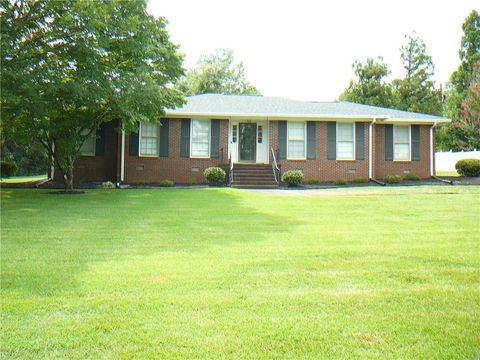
401, 142
88, 146
149, 136
200, 138
296, 140
234, 133
345, 142
259, 134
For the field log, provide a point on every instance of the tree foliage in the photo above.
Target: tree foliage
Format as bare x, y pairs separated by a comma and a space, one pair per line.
462, 95
68, 66
416, 90
370, 87
217, 73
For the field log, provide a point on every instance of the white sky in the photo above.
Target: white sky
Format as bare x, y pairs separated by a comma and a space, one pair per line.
304, 49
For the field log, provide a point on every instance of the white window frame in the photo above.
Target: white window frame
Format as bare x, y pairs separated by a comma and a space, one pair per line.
140, 141
409, 142
209, 139
353, 142
304, 140
93, 138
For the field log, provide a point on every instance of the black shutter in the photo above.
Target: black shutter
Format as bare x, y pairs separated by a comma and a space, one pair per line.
282, 139
164, 128
133, 144
332, 140
360, 141
415, 134
100, 142
389, 142
214, 138
311, 140
185, 138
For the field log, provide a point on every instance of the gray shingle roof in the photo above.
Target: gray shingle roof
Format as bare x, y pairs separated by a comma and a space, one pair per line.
254, 105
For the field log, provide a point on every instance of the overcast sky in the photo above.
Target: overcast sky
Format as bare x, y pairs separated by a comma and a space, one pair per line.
304, 49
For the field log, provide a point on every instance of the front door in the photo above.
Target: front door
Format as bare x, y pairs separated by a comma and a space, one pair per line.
247, 141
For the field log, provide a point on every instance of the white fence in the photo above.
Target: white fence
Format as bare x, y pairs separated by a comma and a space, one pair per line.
445, 161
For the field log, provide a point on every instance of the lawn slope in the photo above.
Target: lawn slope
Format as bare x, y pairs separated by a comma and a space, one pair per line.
211, 273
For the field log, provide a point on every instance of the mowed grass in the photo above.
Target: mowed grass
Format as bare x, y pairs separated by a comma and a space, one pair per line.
215, 273
22, 179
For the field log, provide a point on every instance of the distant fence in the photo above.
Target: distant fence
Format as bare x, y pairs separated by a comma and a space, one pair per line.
445, 161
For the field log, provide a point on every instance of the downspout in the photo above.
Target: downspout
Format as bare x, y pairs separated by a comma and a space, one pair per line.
432, 158
432, 151
370, 148
122, 158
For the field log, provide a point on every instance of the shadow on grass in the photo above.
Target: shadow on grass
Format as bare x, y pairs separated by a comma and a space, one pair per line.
48, 242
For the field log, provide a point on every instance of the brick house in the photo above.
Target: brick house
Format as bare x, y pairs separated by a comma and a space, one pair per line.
250, 134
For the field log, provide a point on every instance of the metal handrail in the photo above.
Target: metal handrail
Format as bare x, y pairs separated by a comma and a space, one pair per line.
230, 172
275, 167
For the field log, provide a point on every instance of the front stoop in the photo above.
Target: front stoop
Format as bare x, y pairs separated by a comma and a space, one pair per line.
253, 176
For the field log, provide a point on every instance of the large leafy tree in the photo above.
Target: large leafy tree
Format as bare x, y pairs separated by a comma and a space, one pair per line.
370, 86
416, 90
68, 66
217, 73
462, 90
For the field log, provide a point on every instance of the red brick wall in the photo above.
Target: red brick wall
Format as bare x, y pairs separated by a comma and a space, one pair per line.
420, 168
322, 168
97, 168
180, 170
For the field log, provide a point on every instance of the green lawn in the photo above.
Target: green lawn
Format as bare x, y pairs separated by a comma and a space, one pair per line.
446, 173
22, 179
214, 273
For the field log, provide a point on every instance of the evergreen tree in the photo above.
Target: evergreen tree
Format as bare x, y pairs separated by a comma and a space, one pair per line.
369, 87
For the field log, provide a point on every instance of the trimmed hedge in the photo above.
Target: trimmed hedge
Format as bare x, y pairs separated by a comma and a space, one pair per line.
411, 177
360, 180
312, 181
166, 183
341, 182
393, 179
214, 175
293, 177
468, 167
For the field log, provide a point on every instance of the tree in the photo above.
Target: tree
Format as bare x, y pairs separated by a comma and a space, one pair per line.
416, 91
217, 73
370, 87
462, 133
469, 53
68, 66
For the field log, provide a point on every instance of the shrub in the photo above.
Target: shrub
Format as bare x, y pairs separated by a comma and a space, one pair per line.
8, 169
108, 185
214, 175
312, 181
340, 182
360, 180
411, 177
193, 181
293, 177
468, 167
166, 183
393, 179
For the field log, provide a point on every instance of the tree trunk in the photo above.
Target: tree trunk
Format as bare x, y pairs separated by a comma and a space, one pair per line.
68, 176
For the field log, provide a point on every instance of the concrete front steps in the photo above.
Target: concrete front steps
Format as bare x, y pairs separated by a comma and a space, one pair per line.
253, 176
